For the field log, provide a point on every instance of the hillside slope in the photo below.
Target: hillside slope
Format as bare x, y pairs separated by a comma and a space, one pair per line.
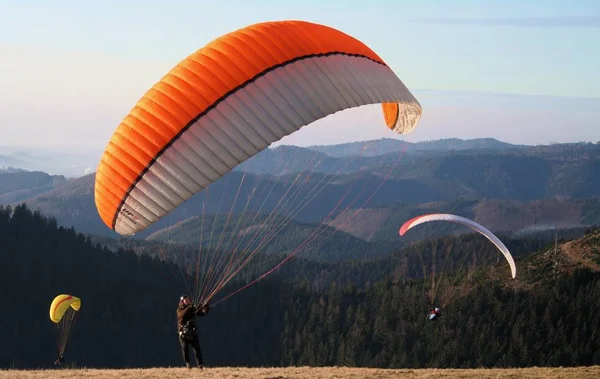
18, 185
546, 266
271, 235
500, 216
129, 305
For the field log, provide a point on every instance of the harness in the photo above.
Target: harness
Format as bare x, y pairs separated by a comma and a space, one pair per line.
187, 330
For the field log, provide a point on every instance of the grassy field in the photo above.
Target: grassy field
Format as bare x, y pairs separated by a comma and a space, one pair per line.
307, 373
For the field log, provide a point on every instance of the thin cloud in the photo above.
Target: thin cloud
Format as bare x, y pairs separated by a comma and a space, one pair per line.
549, 22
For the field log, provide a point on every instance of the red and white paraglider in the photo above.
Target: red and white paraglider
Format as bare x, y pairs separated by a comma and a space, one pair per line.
435, 313
464, 221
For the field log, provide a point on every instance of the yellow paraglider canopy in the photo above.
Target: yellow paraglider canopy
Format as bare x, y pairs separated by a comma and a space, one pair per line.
61, 304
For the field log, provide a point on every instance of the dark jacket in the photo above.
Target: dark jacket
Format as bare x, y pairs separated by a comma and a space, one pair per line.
186, 317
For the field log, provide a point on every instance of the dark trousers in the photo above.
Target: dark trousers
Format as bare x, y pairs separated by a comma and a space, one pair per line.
194, 343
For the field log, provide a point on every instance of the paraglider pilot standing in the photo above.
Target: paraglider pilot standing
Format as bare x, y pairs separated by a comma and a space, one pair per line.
186, 327
59, 361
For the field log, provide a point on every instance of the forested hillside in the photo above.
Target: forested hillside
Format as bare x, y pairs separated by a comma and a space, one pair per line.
546, 317
127, 318
17, 185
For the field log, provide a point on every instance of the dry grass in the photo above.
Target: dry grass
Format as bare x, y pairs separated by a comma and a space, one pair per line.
580, 254
307, 373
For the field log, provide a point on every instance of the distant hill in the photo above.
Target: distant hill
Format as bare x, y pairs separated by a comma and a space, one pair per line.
70, 162
17, 185
358, 156
9, 161
72, 204
284, 160
528, 173
505, 216
274, 235
387, 145
289, 160
10, 169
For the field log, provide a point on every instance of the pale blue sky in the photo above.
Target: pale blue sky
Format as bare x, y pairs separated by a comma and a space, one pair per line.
77, 67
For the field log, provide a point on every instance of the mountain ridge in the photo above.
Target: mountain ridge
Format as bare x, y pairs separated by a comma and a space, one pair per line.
389, 145
522, 189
